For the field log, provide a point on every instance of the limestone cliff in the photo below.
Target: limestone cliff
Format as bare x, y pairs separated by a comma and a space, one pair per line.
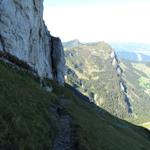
23, 34
123, 87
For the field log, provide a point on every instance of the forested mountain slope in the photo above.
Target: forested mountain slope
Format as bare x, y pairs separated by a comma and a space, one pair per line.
119, 86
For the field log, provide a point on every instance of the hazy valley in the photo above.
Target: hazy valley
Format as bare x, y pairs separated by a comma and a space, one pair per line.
139, 52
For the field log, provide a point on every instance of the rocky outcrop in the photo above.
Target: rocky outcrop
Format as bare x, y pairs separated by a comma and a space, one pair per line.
115, 63
58, 60
122, 85
23, 34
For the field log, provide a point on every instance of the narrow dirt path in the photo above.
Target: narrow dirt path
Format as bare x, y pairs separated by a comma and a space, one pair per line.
64, 137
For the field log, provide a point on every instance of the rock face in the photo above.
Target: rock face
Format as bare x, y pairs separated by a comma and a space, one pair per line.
58, 60
123, 87
24, 35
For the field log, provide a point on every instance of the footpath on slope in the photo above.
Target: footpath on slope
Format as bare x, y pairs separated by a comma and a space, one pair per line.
65, 138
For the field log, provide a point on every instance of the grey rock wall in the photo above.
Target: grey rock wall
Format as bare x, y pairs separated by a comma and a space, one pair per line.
123, 87
24, 35
58, 60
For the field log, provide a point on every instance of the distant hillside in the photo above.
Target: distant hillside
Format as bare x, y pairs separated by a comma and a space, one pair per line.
120, 87
137, 79
94, 72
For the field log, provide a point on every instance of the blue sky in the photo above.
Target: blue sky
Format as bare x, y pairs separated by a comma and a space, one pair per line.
97, 20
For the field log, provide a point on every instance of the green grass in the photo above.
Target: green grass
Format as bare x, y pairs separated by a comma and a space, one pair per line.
144, 82
137, 83
26, 122
105, 132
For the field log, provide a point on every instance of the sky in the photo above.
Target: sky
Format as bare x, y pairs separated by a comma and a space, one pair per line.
99, 20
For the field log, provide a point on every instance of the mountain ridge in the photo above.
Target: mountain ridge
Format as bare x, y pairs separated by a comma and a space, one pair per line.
79, 66
95, 62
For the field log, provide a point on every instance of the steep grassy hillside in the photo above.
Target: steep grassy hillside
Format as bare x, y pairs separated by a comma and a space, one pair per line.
90, 70
25, 122
137, 78
28, 119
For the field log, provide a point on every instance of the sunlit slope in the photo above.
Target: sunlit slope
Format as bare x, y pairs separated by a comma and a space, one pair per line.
27, 122
91, 71
137, 78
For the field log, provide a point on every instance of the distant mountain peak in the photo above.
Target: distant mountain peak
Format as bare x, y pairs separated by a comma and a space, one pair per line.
72, 43
76, 40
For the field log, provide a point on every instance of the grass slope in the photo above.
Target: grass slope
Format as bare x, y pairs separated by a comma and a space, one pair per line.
137, 78
26, 122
